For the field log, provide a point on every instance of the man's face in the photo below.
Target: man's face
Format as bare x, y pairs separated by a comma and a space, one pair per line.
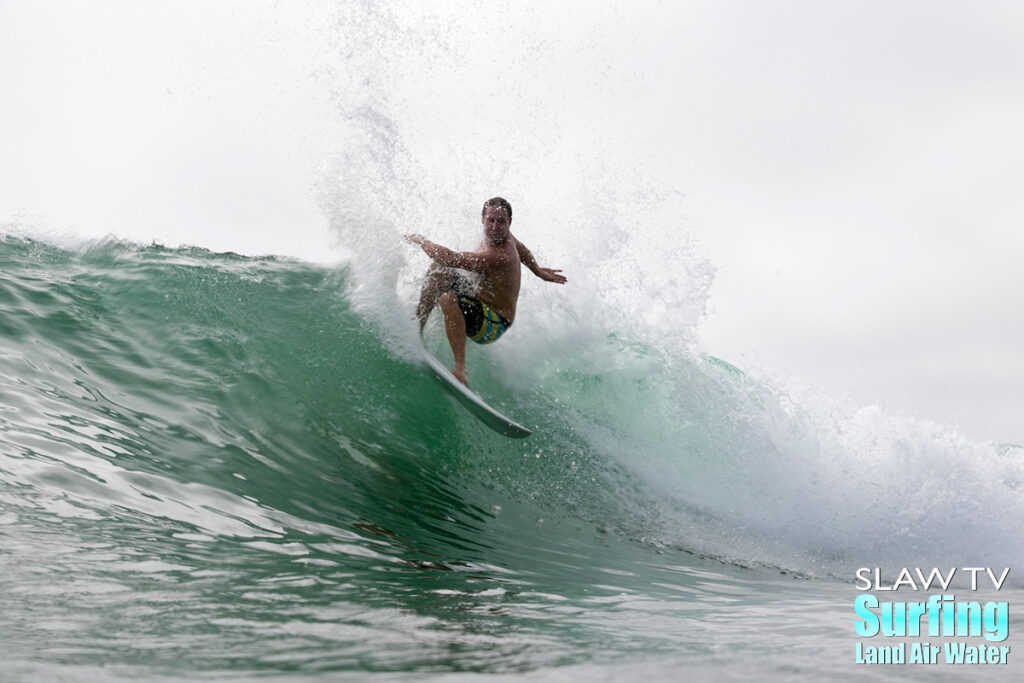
496, 225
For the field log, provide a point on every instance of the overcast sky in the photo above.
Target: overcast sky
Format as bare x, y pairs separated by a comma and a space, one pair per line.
852, 170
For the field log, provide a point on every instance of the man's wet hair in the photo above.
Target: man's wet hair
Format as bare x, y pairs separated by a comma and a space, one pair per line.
497, 203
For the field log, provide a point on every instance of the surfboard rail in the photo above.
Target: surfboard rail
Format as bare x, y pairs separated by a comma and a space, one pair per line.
476, 405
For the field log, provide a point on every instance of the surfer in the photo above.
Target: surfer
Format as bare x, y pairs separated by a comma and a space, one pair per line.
477, 290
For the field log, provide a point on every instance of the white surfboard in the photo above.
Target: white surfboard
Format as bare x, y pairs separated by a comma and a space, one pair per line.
483, 412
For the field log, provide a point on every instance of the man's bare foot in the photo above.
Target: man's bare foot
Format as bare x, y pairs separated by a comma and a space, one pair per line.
460, 374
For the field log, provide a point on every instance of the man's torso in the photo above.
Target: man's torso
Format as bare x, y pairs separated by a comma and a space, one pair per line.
500, 282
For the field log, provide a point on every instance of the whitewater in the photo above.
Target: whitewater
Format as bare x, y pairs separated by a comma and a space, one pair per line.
221, 457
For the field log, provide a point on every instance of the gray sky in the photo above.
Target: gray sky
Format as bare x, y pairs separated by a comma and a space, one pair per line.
852, 170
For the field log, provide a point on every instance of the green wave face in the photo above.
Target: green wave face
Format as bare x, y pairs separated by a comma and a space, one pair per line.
201, 451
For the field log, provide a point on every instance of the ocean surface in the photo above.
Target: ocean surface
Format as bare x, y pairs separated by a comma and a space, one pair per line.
217, 467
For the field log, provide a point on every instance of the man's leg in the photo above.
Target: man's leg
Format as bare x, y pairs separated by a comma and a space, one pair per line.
455, 326
438, 281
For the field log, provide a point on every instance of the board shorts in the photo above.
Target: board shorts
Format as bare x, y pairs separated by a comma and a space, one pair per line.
483, 324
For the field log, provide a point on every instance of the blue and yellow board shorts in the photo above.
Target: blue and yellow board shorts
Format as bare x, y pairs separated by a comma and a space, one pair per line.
483, 324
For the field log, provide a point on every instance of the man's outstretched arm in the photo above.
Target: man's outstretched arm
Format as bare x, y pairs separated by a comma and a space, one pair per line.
527, 259
446, 257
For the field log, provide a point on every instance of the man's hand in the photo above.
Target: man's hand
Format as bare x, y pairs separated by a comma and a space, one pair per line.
415, 238
551, 275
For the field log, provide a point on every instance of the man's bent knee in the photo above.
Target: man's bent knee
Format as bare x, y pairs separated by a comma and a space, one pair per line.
448, 301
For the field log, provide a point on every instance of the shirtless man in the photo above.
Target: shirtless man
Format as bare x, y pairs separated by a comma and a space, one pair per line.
481, 311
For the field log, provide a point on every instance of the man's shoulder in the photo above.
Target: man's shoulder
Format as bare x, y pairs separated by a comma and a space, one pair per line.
500, 254
510, 253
